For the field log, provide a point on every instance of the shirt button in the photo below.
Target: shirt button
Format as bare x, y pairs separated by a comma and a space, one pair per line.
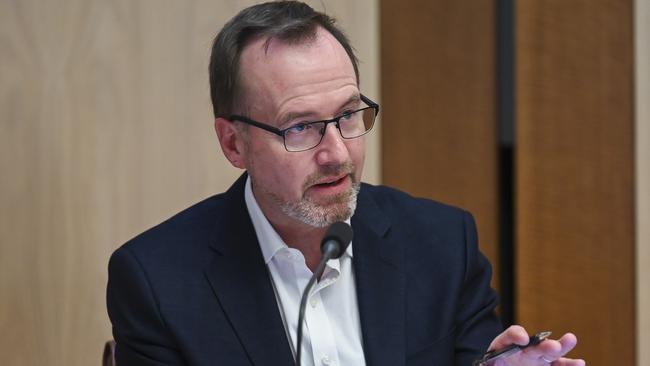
326, 360
313, 302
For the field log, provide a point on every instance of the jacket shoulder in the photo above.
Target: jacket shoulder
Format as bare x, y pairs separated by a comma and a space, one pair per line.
402, 204
179, 244
191, 223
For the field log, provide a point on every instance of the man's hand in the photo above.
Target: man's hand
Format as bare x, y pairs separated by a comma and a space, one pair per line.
549, 352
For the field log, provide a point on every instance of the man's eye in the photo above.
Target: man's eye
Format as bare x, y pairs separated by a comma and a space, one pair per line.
347, 115
299, 128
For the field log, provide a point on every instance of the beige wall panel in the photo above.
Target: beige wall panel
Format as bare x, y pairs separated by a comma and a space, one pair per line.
439, 115
574, 182
642, 98
105, 130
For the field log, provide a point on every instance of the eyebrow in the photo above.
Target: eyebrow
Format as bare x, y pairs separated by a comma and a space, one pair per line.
295, 115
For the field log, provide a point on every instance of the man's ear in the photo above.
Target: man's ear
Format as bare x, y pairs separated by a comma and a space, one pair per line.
232, 143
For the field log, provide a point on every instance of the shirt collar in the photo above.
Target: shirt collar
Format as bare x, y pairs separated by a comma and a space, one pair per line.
270, 241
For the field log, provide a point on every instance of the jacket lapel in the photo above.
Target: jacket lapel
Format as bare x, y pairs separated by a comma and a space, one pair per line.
380, 280
241, 283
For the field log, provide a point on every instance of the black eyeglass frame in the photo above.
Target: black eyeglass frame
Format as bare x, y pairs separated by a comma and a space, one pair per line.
335, 120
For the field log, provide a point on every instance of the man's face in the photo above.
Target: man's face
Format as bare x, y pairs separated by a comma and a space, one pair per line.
285, 84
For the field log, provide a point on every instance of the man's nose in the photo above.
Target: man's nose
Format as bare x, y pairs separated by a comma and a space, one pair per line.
332, 149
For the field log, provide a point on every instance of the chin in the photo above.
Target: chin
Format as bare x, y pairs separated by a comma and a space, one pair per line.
318, 215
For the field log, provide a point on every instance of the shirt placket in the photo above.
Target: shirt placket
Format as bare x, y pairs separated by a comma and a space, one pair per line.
317, 322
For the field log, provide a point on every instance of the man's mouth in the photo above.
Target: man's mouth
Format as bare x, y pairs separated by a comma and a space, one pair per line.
330, 182
331, 189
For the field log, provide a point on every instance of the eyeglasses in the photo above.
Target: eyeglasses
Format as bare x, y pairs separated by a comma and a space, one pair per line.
307, 135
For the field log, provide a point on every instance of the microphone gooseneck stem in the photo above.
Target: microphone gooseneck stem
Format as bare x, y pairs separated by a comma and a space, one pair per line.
327, 255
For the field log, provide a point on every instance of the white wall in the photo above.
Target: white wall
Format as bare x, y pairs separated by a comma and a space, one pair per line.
642, 106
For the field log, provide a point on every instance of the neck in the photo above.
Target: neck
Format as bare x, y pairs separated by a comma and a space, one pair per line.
294, 233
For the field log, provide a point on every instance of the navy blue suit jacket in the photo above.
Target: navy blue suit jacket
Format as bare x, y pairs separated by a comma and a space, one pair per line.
195, 290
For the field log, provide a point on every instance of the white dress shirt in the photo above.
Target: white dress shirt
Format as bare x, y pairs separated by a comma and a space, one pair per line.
332, 331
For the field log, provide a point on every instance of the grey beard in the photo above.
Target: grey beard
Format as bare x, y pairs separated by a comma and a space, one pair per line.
315, 215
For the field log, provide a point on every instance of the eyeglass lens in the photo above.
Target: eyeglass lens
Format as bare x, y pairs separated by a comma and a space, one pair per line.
351, 125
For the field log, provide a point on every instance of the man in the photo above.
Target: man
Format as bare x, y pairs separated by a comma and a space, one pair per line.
220, 283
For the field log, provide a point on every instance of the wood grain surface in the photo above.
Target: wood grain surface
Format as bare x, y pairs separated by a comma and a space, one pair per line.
575, 174
439, 135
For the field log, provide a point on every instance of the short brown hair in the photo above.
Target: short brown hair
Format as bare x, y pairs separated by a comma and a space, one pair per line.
289, 21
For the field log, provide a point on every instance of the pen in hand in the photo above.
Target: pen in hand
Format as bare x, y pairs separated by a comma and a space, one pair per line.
492, 356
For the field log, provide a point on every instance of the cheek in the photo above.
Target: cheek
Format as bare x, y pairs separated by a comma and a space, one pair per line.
279, 171
357, 150
293, 172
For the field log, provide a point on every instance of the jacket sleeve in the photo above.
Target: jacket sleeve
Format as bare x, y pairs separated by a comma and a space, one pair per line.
139, 330
477, 321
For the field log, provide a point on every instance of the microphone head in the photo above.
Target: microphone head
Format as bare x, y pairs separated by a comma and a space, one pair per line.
339, 232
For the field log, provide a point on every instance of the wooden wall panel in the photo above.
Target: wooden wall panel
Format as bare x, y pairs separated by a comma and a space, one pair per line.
574, 174
439, 135
105, 130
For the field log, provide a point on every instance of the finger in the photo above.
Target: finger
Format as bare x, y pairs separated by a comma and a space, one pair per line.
568, 341
515, 334
553, 349
568, 362
549, 348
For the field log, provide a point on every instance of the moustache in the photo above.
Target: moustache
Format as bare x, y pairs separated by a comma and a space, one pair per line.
325, 171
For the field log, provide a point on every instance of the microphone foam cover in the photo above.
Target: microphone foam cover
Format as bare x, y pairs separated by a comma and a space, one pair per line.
340, 232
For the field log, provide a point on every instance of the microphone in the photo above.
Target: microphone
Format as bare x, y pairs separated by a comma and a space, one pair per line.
334, 243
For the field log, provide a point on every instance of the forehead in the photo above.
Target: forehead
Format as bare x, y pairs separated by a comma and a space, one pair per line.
276, 72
